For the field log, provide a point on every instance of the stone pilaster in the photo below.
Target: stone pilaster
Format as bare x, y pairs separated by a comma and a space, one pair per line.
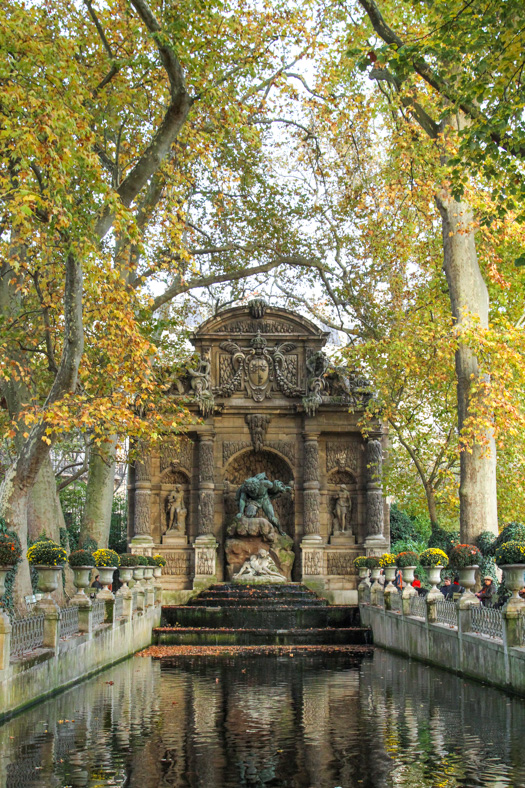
142, 507
206, 464
375, 541
311, 494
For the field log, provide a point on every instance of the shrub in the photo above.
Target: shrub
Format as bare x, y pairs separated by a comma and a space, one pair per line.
485, 542
160, 560
46, 553
81, 558
150, 560
511, 553
433, 557
464, 555
407, 558
10, 550
141, 560
372, 562
127, 559
442, 539
360, 561
106, 558
401, 526
387, 559
512, 532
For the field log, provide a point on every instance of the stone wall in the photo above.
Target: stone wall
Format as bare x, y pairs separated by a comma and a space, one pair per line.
30, 679
454, 647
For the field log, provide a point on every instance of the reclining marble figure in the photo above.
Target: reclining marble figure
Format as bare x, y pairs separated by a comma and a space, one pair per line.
259, 564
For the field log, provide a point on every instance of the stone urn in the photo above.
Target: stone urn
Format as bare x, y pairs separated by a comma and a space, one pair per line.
390, 576
408, 579
434, 577
49, 578
513, 576
106, 578
376, 588
81, 578
157, 571
148, 574
138, 576
126, 574
467, 578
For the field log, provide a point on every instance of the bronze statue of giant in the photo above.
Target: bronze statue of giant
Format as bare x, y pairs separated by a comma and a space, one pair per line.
249, 533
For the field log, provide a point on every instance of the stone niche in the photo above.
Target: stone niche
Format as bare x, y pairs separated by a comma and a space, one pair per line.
269, 401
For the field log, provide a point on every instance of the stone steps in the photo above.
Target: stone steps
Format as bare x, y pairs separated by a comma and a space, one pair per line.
203, 636
289, 614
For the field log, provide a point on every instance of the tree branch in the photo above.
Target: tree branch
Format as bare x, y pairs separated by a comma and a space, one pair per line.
204, 281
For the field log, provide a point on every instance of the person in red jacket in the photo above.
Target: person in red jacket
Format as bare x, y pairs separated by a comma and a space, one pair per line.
416, 582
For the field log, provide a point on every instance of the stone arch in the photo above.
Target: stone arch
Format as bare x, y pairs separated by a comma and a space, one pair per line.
247, 463
341, 476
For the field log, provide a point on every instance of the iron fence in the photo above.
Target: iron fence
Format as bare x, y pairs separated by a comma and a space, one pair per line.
418, 607
487, 621
446, 612
27, 634
69, 621
119, 606
99, 612
395, 603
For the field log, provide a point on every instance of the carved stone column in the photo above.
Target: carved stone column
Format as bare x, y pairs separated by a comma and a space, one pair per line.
142, 508
205, 544
375, 540
311, 495
206, 464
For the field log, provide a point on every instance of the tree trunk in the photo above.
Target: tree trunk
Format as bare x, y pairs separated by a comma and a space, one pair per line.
44, 512
431, 503
96, 519
469, 299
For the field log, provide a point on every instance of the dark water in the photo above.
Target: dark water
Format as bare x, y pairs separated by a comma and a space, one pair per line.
269, 722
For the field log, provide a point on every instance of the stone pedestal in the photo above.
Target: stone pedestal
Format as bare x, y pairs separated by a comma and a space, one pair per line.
343, 540
205, 547
247, 535
174, 539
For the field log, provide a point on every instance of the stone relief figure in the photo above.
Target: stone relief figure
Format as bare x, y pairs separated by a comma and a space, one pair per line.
342, 511
176, 511
316, 366
200, 384
257, 493
260, 564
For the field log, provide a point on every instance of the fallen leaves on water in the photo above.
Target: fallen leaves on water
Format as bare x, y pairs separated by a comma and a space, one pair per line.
166, 652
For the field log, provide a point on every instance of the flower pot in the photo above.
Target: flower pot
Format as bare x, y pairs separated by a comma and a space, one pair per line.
3, 574
157, 571
126, 574
148, 573
513, 576
434, 577
48, 577
81, 578
390, 576
138, 577
408, 574
374, 574
467, 577
106, 578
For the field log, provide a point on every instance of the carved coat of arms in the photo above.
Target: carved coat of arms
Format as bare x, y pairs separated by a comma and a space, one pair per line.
258, 369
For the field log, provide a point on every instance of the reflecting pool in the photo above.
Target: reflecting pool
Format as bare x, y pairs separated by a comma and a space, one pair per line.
302, 722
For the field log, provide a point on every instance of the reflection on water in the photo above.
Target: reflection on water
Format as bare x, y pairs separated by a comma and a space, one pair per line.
298, 722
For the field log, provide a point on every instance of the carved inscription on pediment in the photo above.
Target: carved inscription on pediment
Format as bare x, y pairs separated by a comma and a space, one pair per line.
253, 326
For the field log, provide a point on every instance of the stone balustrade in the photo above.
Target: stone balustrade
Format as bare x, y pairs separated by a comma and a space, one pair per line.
54, 648
482, 643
